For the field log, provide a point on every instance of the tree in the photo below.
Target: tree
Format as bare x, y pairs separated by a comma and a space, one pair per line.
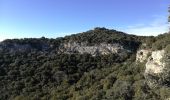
169, 16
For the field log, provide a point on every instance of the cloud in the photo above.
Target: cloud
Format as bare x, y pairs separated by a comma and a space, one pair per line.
157, 26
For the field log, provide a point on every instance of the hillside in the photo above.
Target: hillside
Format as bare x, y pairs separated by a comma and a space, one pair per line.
99, 64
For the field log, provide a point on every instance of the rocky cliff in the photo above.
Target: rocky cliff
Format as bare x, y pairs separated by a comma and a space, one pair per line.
97, 49
156, 67
142, 55
155, 63
12, 47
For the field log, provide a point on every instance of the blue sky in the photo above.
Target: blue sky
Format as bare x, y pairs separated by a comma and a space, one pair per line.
56, 18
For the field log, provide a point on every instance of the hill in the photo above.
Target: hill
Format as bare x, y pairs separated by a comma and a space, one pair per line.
99, 64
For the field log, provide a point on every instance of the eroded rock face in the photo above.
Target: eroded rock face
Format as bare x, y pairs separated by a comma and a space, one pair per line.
155, 74
142, 55
21, 48
155, 63
14, 47
103, 48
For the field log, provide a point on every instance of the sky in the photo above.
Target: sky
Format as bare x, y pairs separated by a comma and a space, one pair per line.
57, 18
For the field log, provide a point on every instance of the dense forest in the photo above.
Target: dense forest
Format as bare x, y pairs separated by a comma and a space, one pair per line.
35, 70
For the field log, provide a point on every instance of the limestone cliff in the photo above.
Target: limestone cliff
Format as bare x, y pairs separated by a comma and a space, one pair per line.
102, 48
155, 63
142, 55
69, 48
25, 47
155, 66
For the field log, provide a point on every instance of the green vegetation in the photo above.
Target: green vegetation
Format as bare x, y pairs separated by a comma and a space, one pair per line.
44, 74
58, 77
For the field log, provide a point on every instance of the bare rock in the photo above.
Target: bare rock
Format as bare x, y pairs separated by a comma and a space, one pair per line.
142, 55
155, 63
102, 48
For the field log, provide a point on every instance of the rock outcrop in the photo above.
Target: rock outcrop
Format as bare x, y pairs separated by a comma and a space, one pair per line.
154, 66
142, 55
102, 48
21, 48
68, 48
156, 73
155, 63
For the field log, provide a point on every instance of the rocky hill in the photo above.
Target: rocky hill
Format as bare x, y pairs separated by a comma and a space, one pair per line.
99, 64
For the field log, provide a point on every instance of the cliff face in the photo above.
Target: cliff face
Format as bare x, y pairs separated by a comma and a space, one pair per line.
142, 55
156, 71
14, 47
23, 48
97, 49
68, 48
155, 63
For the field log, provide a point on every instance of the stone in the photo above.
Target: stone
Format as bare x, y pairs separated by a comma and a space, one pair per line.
102, 48
155, 63
142, 55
